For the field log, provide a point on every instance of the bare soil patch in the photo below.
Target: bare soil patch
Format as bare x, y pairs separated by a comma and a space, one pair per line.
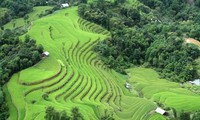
193, 41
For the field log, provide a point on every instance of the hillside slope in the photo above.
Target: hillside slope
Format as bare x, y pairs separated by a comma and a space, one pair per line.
72, 75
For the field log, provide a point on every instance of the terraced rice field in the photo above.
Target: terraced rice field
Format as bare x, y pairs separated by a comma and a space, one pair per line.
72, 75
171, 94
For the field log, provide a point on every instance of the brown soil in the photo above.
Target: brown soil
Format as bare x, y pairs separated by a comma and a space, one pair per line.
193, 41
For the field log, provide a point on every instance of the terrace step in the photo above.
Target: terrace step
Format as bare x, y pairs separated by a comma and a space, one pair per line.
46, 85
68, 87
41, 81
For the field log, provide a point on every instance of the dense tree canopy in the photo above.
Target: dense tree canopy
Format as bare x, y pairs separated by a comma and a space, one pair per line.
18, 7
1, 95
3, 106
196, 116
4, 16
151, 34
52, 114
15, 55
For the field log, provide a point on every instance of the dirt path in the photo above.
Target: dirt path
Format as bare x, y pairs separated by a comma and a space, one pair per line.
193, 41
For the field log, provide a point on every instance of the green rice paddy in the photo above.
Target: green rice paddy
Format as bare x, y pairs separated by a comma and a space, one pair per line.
172, 95
72, 75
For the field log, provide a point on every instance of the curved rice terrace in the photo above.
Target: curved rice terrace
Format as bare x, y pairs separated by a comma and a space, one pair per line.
74, 76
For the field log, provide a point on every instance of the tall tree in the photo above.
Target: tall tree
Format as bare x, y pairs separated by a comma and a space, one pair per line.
76, 115
184, 116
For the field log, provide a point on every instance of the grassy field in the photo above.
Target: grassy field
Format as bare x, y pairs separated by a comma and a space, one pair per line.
72, 75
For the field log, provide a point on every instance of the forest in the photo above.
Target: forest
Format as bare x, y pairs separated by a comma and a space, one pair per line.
151, 34
52, 114
15, 55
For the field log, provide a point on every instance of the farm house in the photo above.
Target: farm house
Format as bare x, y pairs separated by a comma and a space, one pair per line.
160, 111
128, 85
195, 82
45, 54
64, 5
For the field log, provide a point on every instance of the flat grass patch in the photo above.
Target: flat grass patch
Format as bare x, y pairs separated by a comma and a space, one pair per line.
45, 69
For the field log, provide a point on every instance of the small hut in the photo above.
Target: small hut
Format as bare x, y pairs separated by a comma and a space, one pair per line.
45, 54
160, 111
128, 85
195, 82
64, 5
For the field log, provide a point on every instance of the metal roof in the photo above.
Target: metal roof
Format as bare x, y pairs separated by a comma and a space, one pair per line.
65, 5
196, 82
46, 53
160, 111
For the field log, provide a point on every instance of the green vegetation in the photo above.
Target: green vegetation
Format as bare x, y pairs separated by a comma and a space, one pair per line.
196, 116
4, 16
12, 9
129, 34
78, 77
185, 116
16, 55
20, 22
42, 69
1, 95
52, 114
157, 117
147, 84
150, 33
17, 8
3, 107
